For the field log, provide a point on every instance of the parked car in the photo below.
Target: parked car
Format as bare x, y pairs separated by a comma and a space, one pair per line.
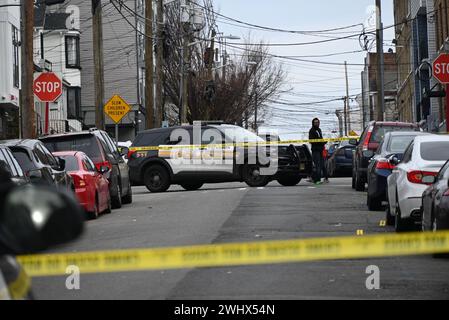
368, 144
157, 170
340, 162
100, 148
435, 202
379, 169
91, 187
424, 157
39, 165
10, 164
61, 221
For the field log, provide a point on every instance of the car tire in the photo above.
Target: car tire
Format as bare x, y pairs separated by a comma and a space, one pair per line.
128, 199
157, 179
374, 204
389, 218
192, 186
435, 228
401, 225
254, 179
359, 183
117, 200
289, 181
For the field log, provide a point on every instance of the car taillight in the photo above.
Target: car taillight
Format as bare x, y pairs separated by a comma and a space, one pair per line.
417, 176
367, 140
79, 181
103, 164
384, 164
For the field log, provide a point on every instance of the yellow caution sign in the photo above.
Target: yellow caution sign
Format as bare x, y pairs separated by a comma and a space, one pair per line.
116, 108
237, 254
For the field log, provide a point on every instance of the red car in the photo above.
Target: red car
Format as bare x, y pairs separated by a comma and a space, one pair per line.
91, 187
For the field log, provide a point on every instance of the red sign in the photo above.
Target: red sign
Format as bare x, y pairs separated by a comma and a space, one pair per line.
441, 68
47, 87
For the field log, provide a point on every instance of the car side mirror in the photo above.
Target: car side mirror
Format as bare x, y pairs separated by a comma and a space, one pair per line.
62, 164
35, 176
368, 153
33, 219
124, 152
103, 169
394, 161
353, 142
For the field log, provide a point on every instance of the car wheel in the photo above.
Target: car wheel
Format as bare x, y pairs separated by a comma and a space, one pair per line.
359, 183
400, 225
253, 178
157, 179
117, 200
390, 219
192, 186
374, 204
128, 199
436, 228
289, 181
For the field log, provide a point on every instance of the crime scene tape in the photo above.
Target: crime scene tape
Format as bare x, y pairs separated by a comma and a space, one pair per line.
240, 145
239, 254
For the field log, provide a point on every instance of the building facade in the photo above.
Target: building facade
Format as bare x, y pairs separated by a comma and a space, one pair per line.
9, 69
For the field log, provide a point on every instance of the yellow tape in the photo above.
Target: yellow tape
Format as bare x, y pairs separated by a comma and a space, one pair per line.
239, 145
237, 254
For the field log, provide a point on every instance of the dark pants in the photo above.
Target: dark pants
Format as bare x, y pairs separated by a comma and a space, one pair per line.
318, 162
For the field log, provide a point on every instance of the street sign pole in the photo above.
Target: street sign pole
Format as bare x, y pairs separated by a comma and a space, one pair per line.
116, 134
47, 117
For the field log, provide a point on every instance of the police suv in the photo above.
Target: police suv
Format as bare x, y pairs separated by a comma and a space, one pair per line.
213, 152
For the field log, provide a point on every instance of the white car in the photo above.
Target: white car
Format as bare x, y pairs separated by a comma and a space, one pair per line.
423, 158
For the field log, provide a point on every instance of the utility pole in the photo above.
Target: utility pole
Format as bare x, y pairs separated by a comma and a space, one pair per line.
28, 118
380, 62
149, 67
97, 30
256, 115
345, 116
185, 75
348, 106
160, 64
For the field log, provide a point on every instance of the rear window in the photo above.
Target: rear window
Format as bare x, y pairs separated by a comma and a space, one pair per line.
71, 163
380, 132
435, 151
399, 144
87, 144
24, 160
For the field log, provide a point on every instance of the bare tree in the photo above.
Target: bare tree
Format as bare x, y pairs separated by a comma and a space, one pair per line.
252, 78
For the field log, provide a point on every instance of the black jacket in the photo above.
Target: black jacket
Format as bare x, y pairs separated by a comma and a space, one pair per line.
316, 134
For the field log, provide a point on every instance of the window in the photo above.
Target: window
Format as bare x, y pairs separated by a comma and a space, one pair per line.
72, 52
444, 172
435, 151
408, 154
15, 56
84, 143
74, 103
71, 163
88, 165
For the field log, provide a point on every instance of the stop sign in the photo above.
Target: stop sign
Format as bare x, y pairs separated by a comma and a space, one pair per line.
441, 68
47, 87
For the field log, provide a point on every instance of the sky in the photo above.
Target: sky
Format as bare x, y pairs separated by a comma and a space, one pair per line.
308, 82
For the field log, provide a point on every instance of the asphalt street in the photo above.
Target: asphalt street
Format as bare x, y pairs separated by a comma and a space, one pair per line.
234, 213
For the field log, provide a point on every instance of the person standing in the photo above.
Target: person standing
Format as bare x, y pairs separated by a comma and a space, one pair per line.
315, 133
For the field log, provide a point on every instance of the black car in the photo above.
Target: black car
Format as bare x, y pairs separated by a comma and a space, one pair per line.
39, 165
339, 164
380, 168
368, 144
9, 163
103, 151
157, 170
435, 202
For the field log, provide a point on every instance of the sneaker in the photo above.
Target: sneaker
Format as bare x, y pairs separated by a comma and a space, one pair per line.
326, 181
318, 183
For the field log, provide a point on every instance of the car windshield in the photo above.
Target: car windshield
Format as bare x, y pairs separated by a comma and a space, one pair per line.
380, 132
239, 135
71, 163
398, 144
435, 151
86, 144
